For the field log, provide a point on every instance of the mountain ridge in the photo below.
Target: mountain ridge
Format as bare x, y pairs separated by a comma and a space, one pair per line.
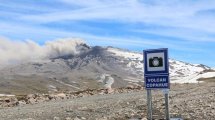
91, 67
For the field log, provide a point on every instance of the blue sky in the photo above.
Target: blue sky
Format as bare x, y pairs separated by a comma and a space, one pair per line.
186, 27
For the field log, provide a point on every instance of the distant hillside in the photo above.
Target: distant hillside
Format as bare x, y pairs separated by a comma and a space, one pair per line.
90, 67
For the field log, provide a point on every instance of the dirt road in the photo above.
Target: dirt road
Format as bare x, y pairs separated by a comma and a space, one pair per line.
190, 101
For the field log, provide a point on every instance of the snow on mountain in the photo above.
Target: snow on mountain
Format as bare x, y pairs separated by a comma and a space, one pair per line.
180, 72
134, 58
70, 64
6, 95
207, 75
195, 77
91, 67
126, 54
184, 72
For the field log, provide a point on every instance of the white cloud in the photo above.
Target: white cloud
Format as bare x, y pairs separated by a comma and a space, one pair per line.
120, 41
25, 7
83, 3
109, 40
180, 33
168, 13
187, 18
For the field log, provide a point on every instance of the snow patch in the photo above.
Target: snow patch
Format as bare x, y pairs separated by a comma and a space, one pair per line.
194, 78
53, 88
6, 95
126, 54
59, 81
135, 80
207, 75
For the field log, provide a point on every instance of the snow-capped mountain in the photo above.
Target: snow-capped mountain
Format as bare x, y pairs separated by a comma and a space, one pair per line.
180, 72
91, 67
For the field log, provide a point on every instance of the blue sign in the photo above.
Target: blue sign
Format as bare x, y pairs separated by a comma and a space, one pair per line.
157, 82
156, 69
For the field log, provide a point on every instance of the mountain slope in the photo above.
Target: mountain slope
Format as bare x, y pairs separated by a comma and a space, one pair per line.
180, 72
91, 67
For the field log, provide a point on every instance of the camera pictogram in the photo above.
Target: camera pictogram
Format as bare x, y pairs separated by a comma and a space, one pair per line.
156, 62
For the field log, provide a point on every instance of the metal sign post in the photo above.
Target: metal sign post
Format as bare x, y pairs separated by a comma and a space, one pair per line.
167, 106
166, 94
156, 74
149, 104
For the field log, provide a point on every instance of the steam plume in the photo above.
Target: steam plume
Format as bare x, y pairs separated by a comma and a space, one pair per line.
18, 51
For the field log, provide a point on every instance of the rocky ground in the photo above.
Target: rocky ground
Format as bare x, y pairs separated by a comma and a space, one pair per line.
188, 101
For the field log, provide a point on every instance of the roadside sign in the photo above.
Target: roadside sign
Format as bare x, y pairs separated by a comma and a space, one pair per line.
156, 69
156, 74
156, 61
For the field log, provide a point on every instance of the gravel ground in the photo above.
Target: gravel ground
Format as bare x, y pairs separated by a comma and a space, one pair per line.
189, 101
